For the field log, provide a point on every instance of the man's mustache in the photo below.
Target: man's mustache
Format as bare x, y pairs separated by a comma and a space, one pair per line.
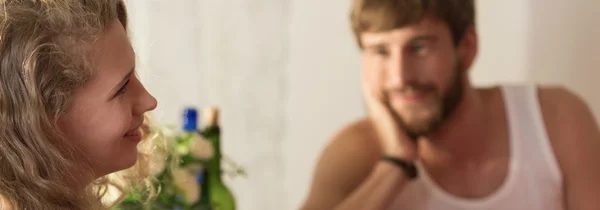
414, 87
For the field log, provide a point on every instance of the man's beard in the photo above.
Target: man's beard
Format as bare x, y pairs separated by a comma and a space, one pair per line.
444, 105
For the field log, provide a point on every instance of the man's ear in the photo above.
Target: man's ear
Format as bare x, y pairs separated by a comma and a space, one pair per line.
468, 47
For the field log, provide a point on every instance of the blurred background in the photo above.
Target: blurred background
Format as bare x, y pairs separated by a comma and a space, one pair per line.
285, 73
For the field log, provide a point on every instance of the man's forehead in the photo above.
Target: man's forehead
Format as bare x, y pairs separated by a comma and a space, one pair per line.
425, 27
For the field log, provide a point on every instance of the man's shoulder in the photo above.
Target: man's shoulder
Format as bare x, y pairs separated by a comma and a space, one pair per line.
357, 138
359, 128
573, 132
570, 124
563, 111
360, 132
554, 92
560, 104
346, 161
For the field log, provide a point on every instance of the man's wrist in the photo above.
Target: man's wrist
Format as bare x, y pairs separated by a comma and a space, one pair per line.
408, 167
406, 155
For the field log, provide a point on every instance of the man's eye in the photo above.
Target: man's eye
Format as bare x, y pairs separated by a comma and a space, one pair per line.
418, 49
381, 51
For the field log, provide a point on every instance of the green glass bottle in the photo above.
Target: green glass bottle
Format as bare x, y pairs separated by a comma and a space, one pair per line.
219, 194
204, 200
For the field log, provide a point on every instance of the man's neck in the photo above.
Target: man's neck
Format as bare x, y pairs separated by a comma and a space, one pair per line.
460, 139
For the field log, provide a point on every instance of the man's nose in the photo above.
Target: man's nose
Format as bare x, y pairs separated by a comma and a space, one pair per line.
399, 71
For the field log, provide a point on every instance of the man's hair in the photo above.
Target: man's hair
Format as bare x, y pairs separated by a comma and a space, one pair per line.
385, 15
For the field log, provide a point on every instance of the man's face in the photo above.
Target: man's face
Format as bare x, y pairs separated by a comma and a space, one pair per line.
417, 73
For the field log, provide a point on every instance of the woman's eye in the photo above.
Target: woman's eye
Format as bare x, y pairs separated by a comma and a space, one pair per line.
123, 88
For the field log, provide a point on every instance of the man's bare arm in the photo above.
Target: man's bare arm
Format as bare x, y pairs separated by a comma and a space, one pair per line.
576, 141
349, 174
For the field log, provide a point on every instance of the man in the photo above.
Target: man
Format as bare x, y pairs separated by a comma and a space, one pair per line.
432, 141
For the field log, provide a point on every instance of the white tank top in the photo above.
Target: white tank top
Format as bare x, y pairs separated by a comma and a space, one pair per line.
534, 180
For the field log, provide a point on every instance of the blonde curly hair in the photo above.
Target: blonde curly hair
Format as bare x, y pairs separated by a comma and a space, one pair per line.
43, 61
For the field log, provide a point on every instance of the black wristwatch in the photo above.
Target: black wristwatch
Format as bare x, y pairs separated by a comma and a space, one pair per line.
408, 168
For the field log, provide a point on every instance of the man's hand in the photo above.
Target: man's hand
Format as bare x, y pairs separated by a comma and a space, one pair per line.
350, 174
392, 138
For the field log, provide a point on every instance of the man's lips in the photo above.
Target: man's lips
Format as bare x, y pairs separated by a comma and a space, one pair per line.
409, 97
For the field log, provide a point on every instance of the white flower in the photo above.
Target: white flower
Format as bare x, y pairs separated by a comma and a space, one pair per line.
201, 148
186, 183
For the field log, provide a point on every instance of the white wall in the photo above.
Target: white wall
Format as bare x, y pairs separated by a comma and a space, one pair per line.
285, 72
502, 29
323, 95
232, 54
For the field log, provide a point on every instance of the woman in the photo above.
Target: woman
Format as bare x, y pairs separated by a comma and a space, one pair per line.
71, 107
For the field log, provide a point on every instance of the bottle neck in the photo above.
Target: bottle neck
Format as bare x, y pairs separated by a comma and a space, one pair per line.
213, 134
214, 172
